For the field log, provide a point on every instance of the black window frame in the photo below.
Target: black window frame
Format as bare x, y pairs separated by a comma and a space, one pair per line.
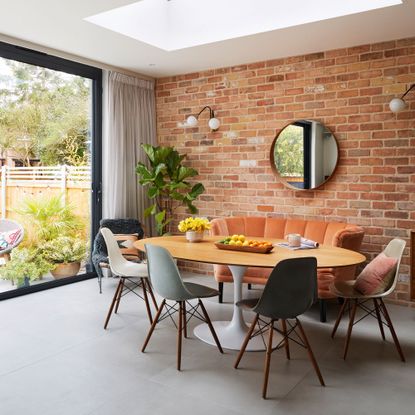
306, 126
34, 57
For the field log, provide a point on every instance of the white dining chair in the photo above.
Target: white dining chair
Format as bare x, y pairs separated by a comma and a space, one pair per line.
135, 274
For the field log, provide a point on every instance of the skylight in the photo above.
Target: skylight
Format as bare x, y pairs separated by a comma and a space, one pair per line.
180, 24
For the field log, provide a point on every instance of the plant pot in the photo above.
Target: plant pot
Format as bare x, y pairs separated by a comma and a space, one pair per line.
66, 270
24, 283
193, 236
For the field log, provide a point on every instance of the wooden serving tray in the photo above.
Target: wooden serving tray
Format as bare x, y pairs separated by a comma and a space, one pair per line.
256, 249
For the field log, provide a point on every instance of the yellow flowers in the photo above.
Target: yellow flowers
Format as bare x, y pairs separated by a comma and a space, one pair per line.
194, 224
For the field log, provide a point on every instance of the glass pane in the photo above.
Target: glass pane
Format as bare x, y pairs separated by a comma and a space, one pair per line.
45, 157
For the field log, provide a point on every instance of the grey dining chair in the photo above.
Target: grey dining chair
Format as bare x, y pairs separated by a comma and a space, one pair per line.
353, 299
167, 282
290, 291
136, 275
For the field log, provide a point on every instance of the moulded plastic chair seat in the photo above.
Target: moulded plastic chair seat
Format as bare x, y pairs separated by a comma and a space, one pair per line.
353, 299
290, 291
137, 274
167, 282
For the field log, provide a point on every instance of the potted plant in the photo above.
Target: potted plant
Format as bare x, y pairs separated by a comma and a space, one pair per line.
66, 254
194, 228
25, 265
167, 182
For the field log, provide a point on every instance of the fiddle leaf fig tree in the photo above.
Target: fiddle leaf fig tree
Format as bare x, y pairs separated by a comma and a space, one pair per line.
166, 180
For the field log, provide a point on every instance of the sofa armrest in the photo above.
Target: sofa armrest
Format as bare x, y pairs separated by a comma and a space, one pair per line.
349, 238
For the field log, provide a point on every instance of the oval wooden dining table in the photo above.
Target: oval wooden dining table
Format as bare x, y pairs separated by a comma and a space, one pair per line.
232, 333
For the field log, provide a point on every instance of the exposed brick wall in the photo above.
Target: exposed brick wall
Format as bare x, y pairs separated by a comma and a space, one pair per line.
346, 89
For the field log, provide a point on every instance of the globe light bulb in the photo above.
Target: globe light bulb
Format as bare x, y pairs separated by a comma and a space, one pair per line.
191, 121
397, 105
214, 124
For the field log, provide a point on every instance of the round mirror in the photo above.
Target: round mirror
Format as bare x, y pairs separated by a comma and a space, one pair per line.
305, 154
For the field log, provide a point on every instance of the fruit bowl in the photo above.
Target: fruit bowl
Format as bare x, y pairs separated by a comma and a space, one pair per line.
256, 249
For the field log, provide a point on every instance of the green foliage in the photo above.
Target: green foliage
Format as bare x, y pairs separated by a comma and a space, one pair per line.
40, 110
289, 152
64, 249
168, 185
47, 218
25, 263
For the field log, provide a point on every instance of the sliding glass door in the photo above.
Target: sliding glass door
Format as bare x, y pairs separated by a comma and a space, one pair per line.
50, 158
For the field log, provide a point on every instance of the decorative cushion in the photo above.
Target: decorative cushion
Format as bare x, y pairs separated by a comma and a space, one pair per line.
8, 239
376, 276
126, 245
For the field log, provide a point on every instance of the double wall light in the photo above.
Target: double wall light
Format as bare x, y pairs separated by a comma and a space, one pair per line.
398, 104
193, 120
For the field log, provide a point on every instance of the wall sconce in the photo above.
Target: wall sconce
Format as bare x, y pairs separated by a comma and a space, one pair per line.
193, 120
398, 104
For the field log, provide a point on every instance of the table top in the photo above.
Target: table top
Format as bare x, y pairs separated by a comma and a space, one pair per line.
205, 251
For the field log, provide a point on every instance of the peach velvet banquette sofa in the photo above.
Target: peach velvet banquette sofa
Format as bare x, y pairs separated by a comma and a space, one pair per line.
329, 233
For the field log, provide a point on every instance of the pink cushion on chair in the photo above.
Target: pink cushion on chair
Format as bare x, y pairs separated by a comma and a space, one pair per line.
376, 276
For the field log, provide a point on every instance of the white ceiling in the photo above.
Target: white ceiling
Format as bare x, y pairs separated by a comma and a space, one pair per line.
60, 25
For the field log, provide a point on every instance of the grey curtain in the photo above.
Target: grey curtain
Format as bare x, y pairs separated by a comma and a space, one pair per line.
129, 120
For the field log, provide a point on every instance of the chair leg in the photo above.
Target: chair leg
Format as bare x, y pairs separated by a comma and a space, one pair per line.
114, 299
267, 360
100, 283
310, 353
155, 321
184, 320
339, 317
143, 285
378, 316
323, 310
249, 286
220, 289
246, 341
392, 330
211, 328
122, 282
350, 328
150, 290
179, 336
286, 344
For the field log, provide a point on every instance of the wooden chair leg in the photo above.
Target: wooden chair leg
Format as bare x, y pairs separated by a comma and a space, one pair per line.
114, 299
150, 290
211, 328
246, 341
339, 317
249, 286
220, 289
323, 310
392, 330
143, 285
184, 320
179, 336
286, 344
310, 353
122, 282
379, 317
155, 321
268, 360
350, 328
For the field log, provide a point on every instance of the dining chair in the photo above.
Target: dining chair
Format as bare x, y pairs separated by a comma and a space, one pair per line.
375, 282
132, 276
125, 227
167, 282
290, 291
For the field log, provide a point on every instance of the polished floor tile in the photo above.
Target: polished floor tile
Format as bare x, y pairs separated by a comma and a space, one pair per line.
55, 358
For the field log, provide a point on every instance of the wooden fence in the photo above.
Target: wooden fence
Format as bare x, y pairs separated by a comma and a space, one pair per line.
18, 183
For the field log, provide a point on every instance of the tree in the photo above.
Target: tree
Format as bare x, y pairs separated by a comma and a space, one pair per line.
289, 152
44, 114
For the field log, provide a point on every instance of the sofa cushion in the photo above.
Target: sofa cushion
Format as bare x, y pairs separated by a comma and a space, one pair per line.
376, 276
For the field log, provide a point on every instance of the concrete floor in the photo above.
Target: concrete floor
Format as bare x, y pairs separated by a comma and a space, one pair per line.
55, 359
